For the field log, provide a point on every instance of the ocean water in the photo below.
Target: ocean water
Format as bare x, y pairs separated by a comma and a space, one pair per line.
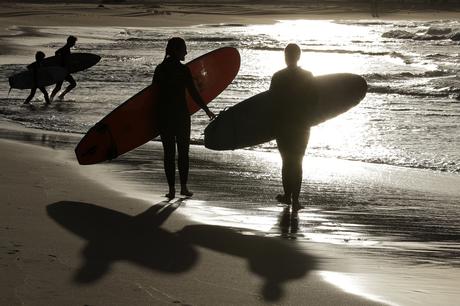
410, 116
409, 119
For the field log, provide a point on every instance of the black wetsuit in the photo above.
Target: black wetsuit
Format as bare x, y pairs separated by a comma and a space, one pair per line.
34, 67
174, 78
64, 60
296, 97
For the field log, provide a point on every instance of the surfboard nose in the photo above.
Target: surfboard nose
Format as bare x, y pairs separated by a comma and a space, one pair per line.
96, 146
361, 88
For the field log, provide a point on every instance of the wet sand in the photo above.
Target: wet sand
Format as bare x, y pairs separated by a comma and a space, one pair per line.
81, 235
70, 239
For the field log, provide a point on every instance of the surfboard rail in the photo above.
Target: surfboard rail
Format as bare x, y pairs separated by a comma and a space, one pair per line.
254, 120
132, 123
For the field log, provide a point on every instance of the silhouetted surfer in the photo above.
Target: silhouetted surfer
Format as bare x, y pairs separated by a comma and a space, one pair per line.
296, 97
64, 61
173, 79
34, 67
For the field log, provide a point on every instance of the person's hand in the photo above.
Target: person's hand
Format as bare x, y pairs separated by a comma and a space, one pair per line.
210, 114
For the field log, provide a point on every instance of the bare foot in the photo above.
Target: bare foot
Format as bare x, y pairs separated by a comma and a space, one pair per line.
171, 194
186, 192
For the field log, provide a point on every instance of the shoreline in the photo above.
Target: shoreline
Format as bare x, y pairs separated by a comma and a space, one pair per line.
50, 228
350, 266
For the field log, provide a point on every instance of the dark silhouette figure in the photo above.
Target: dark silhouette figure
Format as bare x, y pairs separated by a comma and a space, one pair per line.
295, 95
64, 61
34, 67
174, 78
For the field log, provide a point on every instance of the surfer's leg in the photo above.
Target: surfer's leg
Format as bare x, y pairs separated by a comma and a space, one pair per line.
296, 180
183, 147
31, 95
285, 172
56, 89
72, 85
45, 94
169, 153
297, 168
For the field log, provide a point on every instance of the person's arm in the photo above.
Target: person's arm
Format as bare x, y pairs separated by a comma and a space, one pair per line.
196, 95
275, 82
156, 75
272, 83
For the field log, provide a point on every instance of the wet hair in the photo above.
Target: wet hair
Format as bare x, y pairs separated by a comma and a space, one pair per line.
71, 39
292, 51
174, 44
39, 55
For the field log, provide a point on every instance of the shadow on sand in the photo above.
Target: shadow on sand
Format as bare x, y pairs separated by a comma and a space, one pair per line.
114, 236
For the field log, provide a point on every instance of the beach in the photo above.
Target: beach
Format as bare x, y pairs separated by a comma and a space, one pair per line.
98, 257
371, 234
81, 235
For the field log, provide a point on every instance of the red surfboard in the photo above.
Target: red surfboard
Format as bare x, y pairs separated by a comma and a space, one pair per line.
132, 123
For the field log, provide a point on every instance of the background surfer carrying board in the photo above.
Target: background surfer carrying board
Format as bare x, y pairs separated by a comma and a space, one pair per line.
64, 61
174, 78
295, 97
34, 67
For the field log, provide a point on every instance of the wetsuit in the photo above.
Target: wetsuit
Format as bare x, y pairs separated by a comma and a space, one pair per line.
174, 78
295, 97
34, 67
64, 61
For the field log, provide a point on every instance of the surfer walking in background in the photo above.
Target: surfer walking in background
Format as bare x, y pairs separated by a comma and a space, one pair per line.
34, 67
64, 60
174, 78
295, 97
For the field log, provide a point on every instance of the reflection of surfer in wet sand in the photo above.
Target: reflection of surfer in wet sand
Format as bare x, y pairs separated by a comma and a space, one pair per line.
64, 61
174, 78
295, 97
289, 223
34, 67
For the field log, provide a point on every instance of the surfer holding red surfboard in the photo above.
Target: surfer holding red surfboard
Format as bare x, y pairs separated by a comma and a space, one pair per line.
173, 116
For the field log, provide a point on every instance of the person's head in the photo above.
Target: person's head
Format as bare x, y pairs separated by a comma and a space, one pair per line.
292, 54
39, 56
176, 48
71, 40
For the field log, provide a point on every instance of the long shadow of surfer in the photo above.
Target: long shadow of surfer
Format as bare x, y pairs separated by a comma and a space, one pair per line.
116, 236
276, 261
